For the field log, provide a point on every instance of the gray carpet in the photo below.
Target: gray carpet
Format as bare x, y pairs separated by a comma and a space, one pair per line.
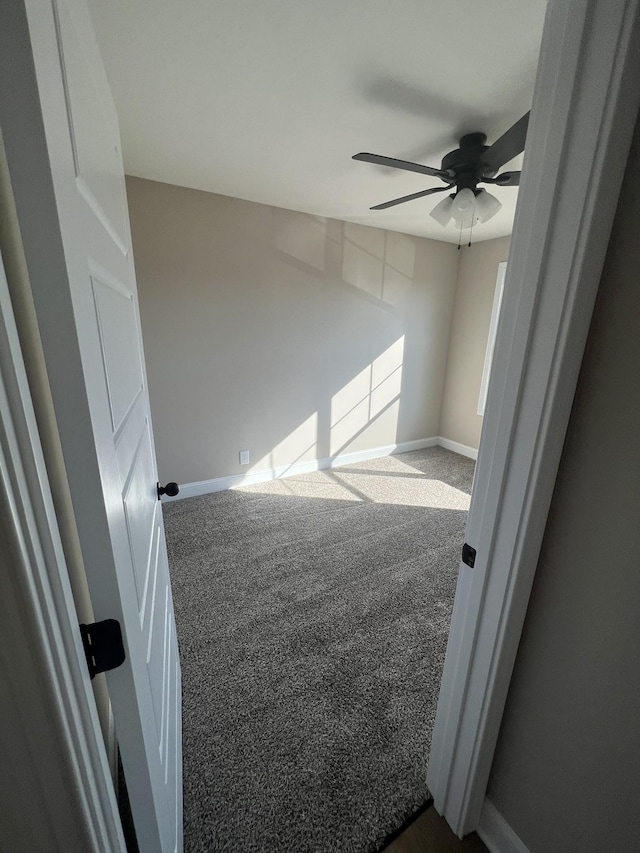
312, 617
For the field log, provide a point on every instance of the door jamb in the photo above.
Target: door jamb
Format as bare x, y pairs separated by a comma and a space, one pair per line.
50, 716
584, 111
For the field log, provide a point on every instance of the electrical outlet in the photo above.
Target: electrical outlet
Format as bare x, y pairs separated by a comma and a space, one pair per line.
244, 457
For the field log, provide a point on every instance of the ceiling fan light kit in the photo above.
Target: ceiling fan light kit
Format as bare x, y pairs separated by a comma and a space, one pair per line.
462, 170
463, 210
463, 207
487, 205
442, 211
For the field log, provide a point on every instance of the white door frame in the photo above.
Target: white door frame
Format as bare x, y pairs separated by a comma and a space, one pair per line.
584, 111
56, 778
583, 114
491, 339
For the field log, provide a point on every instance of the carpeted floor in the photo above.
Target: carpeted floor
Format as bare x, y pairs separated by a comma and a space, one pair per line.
312, 617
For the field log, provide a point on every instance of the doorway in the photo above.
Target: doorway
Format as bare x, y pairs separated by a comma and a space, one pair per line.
605, 76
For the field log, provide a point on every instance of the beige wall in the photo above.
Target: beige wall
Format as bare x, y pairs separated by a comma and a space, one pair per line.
292, 336
476, 285
566, 774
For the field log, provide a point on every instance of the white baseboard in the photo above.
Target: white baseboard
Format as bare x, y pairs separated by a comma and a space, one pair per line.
264, 475
496, 833
220, 484
462, 449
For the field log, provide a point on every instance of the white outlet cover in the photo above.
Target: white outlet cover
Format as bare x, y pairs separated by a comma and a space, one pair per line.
244, 457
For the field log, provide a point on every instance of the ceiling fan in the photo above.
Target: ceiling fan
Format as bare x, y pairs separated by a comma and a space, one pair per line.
462, 170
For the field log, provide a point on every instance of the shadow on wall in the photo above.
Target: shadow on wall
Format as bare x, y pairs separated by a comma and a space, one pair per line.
293, 336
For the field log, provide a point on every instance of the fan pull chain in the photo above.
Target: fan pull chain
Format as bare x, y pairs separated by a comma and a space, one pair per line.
460, 235
470, 232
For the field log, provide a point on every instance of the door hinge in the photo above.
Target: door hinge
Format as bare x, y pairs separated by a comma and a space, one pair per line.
468, 555
103, 645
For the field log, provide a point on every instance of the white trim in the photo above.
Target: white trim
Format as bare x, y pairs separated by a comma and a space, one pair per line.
496, 833
264, 475
456, 447
584, 110
491, 338
53, 752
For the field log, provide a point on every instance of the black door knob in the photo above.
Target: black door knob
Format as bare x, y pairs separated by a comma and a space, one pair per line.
171, 489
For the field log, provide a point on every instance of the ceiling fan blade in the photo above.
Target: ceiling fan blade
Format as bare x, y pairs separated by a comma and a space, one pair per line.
508, 146
508, 179
409, 198
378, 160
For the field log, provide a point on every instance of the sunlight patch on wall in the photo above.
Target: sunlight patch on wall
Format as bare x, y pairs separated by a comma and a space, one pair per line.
361, 269
396, 287
369, 403
301, 236
350, 410
381, 263
299, 446
386, 377
401, 253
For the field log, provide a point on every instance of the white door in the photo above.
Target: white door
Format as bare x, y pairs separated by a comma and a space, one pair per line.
75, 229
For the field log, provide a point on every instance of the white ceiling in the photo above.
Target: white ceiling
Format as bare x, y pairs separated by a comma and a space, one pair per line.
267, 100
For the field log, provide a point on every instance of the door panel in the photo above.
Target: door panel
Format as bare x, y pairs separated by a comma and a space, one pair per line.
121, 356
99, 389
140, 512
91, 120
151, 585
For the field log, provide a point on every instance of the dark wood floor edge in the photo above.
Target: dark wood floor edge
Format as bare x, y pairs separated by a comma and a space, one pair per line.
405, 824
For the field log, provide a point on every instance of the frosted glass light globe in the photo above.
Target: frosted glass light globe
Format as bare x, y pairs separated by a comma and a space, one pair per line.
464, 207
487, 205
442, 211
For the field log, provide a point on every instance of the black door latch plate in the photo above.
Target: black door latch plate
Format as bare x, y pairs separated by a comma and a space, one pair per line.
103, 646
468, 555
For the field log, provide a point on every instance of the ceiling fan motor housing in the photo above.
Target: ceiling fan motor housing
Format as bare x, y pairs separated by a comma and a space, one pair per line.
465, 164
